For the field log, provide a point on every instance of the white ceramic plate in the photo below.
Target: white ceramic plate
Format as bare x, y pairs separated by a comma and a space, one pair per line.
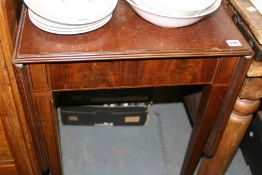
65, 32
72, 11
60, 25
45, 25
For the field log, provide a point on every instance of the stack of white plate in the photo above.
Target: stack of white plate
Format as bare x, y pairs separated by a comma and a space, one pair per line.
174, 13
70, 16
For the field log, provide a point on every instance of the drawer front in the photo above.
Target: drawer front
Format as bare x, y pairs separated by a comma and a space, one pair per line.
131, 73
85, 75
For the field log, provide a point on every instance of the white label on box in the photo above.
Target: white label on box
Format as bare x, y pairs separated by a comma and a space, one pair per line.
234, 43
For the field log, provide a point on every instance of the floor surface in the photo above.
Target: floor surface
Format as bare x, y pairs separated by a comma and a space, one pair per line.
158, 148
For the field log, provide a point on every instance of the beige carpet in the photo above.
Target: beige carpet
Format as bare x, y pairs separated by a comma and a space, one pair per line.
158, 148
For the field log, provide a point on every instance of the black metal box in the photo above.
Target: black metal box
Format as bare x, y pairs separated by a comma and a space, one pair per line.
112, 114
107, 107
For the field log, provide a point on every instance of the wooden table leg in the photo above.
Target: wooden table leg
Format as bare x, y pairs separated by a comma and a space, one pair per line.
216, 102
209, 107
236, 127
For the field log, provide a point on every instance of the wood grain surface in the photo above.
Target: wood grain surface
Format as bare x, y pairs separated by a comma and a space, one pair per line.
255, 69
5, 154
251, 17
8, 170
129, 36
139, 73
12, 115
252, 88
130, 52
235, 130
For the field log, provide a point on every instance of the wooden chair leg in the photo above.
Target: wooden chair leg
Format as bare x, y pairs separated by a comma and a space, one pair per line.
236, 127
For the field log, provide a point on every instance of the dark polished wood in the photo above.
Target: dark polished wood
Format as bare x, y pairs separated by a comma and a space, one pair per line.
129, 36
5, 153
221, 121
249, 96
17, 154
32, 121
192, 101
129, 52
8, 170
143, 73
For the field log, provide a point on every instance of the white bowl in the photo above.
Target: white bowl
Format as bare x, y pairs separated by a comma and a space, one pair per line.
171, 21
72, 11
176, 7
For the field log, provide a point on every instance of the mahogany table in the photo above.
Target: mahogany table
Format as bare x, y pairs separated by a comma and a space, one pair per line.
129, 52
249, 23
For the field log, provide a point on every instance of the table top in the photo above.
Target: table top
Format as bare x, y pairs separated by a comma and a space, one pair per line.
127, 36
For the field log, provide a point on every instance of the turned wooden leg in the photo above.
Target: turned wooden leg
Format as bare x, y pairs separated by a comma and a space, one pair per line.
236, 127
